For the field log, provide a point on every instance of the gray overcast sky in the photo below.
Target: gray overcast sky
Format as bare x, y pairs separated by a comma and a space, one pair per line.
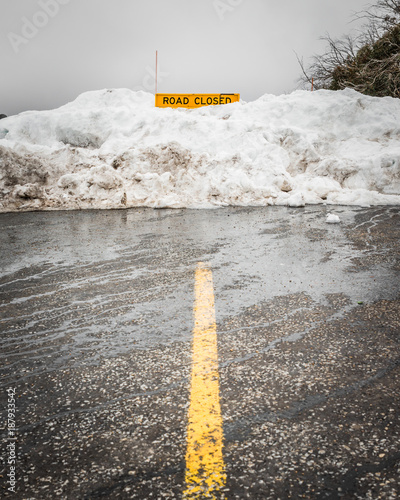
244, 46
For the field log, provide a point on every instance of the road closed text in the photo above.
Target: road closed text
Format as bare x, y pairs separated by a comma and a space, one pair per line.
194, 100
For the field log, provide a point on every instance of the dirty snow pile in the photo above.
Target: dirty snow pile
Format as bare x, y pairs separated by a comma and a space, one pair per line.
114, 148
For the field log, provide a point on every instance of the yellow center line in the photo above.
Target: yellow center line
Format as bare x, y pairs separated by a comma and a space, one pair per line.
205, 469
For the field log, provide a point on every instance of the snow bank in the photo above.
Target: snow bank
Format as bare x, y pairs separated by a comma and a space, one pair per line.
113, 148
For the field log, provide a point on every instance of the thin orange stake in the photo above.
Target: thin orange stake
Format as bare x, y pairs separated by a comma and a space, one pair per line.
156, 68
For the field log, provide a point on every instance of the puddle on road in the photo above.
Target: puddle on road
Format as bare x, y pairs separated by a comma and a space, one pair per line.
77, 287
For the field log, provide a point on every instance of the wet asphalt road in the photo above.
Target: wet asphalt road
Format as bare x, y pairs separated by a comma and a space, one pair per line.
96, 318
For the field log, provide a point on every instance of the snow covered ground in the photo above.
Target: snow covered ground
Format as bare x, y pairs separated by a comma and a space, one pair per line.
113, 149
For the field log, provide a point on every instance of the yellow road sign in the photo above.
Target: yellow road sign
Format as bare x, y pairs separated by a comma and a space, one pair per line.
194, 100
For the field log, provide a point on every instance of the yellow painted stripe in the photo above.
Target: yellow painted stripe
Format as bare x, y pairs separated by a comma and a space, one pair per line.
205, 469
